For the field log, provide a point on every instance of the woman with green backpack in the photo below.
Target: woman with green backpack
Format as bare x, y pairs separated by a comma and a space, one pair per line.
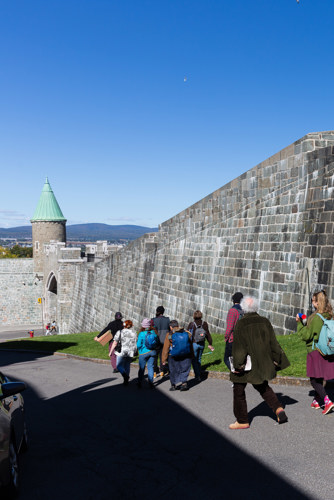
318, 366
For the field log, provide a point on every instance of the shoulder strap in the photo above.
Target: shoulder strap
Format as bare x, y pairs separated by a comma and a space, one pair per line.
323, 319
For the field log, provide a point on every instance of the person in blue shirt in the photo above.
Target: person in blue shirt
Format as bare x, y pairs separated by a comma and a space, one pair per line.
146, 356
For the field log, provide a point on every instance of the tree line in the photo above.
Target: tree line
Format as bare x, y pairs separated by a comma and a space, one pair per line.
16, 252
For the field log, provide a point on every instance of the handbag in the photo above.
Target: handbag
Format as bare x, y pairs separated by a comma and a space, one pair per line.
105, 338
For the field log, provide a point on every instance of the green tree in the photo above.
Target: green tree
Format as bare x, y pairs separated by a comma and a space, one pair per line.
16, 252
5, 253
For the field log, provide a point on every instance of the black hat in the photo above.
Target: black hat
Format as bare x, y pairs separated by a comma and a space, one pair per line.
118, 315
236, 298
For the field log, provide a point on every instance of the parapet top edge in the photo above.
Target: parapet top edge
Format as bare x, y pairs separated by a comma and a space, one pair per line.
284, 153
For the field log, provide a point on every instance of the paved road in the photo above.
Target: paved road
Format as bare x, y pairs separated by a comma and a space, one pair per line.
92, 438
19, 332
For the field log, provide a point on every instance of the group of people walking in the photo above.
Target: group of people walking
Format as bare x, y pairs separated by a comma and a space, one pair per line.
163, 346
249, 335
252, 353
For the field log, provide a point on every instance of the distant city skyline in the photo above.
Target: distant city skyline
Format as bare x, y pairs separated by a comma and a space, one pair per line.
136, 110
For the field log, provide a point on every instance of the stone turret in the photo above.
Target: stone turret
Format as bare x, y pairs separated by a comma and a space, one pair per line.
48, 224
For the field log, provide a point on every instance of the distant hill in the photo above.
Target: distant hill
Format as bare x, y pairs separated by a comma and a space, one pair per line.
16, 232
93, 232
86, 232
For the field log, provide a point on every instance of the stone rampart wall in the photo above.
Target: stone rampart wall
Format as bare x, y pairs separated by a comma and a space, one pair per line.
19, 291
269, 233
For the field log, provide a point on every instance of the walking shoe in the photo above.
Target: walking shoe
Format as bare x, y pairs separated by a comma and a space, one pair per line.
315, 405
184, 387
172, 388
151, 385
154, 375
328, 407
162, 374
115, 370
281, 416
236, 425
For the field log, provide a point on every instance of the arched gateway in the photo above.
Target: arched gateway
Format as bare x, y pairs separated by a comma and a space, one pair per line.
50, 310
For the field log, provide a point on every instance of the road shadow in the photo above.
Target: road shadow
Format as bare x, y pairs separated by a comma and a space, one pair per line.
38, 347
103, 441
263, 410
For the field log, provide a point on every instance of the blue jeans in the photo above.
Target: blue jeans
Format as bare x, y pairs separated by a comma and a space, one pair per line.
228, 353
196, 361
147, 358
123, 364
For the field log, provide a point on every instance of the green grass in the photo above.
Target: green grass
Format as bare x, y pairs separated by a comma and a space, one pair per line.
83, 344
295, 349
80, 344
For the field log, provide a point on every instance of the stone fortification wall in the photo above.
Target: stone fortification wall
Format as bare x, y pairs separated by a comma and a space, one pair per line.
19, 291
119, 282
269, 233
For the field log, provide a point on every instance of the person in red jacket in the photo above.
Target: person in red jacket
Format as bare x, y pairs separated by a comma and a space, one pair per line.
232, 317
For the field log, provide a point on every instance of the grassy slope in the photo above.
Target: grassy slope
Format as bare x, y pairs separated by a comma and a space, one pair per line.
82, 344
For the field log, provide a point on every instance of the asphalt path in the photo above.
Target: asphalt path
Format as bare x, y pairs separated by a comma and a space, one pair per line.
19, 332
92, 438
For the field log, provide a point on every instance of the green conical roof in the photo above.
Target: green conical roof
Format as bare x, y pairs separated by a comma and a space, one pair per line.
48, 208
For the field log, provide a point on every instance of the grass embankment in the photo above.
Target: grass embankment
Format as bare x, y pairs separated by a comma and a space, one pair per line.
83, 344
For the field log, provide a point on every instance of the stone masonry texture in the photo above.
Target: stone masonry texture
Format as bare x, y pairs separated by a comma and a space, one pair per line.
43, 232
19, 293
268, 233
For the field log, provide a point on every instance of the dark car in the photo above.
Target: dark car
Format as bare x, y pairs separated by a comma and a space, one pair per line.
13, 434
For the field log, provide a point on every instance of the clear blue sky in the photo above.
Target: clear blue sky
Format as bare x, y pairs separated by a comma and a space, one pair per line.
136, 109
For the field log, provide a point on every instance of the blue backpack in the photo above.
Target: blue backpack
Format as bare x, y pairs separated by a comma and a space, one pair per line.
152, 340
180, 344
325, 344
